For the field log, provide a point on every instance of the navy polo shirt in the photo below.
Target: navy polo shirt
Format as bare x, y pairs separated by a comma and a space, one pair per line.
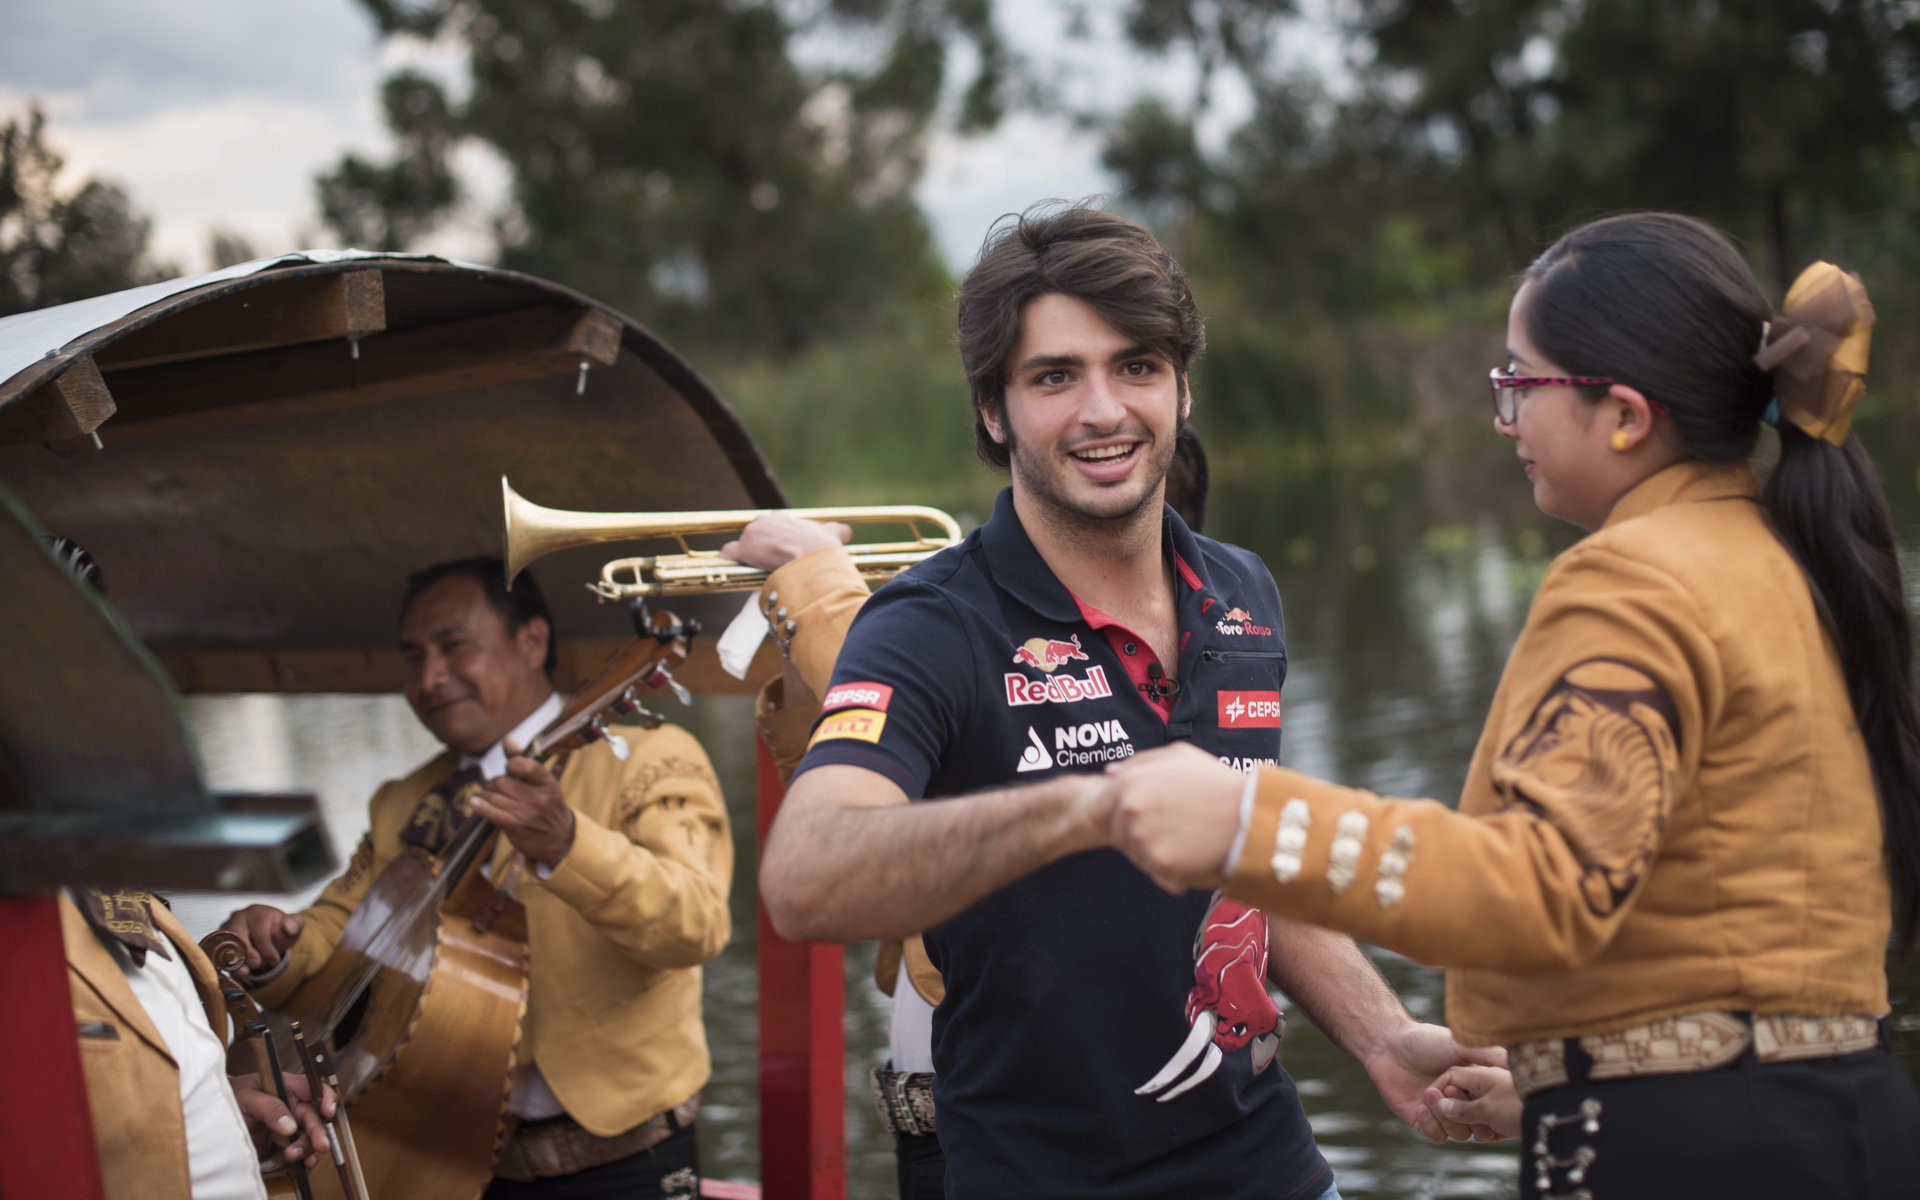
1066, 990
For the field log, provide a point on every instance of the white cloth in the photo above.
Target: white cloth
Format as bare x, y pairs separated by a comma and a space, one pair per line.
493, 764
741, 641
220, 1157
532, 1099
910, 1028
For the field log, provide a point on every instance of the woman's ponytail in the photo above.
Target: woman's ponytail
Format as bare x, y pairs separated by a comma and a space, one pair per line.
1828, 509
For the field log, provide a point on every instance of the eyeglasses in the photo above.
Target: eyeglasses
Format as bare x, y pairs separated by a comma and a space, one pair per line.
1507, 385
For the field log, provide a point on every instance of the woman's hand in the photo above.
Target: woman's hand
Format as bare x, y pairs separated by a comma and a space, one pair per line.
1475, 1102
1176, 811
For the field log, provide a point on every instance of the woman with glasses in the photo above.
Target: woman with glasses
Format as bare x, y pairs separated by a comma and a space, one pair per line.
1693, 819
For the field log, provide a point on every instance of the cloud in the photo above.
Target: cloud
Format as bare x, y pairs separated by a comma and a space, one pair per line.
110, 60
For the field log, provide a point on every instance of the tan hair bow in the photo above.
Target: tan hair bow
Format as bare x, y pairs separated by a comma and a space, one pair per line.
1817, 351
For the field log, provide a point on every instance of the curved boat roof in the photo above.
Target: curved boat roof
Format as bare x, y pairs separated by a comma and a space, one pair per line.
259, 456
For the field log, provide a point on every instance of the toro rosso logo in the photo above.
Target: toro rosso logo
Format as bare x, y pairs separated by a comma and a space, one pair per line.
1238, 621
1049, 653
1228, 1006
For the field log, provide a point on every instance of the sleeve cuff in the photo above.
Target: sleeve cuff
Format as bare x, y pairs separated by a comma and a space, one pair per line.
596, 857
1246, 818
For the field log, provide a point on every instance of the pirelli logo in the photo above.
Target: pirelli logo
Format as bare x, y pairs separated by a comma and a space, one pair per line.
861, 724
1249, 710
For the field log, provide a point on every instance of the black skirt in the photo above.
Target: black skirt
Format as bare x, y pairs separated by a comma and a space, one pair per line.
1818, 1129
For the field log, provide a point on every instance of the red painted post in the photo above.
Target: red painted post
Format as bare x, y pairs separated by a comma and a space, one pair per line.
802, 1049
46, 1131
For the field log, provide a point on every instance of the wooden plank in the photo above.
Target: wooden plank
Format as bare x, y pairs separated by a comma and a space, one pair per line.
315, 308
218, 393
71, 405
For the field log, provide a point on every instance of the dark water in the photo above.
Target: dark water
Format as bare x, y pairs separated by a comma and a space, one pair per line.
1405, 585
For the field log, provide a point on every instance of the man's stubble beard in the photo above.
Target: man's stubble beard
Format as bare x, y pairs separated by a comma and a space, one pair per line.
1067, 517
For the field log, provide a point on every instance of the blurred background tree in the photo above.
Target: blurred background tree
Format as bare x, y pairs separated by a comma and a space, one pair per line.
1351, 185
681, 159
55, 245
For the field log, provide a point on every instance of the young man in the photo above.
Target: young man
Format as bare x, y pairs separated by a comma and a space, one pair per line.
627, 896
1098, 1037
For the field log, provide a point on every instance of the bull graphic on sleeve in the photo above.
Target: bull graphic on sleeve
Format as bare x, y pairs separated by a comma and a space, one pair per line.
1228, 1006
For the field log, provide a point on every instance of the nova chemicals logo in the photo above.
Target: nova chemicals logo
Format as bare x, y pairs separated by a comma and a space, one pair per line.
1249, 710
1077, 746
1035, 757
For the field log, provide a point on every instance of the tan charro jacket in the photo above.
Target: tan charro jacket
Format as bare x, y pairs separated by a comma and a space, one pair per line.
810, 603
133, 1081
1670, 809
615, 936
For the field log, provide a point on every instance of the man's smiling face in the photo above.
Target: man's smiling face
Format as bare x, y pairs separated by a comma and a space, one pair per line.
1090, 415
469, 679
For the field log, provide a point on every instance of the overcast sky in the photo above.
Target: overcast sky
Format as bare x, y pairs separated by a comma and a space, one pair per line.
219, 113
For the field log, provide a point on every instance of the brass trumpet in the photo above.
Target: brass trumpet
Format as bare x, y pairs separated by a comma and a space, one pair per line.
533, 531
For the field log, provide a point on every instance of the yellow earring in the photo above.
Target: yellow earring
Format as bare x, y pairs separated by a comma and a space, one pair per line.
1619, 439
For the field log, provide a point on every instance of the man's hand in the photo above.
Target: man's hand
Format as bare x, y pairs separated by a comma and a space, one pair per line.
267, 932
529, 807
1176, 811
1415, 1057
287, 1136
1472, 1102
771, 542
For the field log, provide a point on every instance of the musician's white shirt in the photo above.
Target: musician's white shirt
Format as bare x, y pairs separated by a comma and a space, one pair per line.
532, 1098
220, 1156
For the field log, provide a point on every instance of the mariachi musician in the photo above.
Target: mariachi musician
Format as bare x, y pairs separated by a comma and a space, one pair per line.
169, 1123
628, 866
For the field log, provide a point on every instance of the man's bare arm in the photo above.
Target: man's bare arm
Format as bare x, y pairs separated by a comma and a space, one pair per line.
1326, 975
849, 858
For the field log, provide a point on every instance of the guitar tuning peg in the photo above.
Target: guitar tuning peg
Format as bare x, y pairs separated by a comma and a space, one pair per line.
618, 745
680, 690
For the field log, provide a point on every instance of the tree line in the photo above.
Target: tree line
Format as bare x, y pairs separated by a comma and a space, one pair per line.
740, 176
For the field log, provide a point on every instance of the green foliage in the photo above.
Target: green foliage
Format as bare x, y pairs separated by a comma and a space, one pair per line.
877, 418
56, 247
677, 159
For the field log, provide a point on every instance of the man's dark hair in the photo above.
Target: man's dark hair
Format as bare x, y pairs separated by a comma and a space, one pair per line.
516, 605
1104, 259
1187, 479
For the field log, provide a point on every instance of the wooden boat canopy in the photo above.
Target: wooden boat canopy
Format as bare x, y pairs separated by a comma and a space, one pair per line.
258, 457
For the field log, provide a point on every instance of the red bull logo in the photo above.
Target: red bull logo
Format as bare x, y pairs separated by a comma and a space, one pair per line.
1228, 1007
1049, 653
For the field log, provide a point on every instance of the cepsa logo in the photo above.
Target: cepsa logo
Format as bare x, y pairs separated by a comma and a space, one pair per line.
861, 695
1238, 621
1249, 710
1049, 653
